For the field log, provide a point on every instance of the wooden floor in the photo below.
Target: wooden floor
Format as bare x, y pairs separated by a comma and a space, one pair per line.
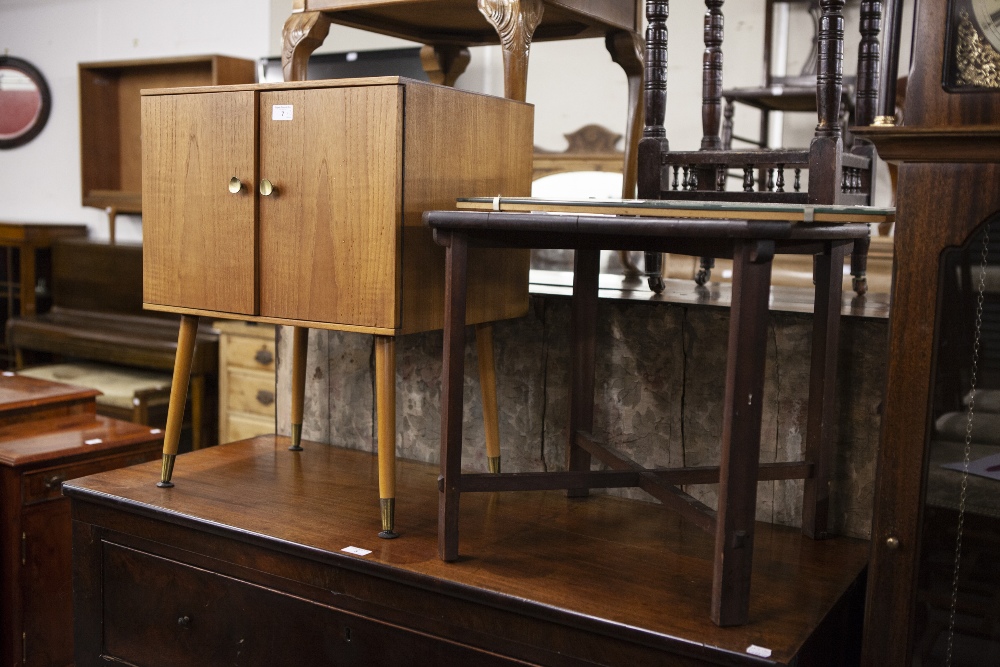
606, 564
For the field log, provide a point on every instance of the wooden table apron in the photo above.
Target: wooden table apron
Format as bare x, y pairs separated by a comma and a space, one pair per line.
752, 245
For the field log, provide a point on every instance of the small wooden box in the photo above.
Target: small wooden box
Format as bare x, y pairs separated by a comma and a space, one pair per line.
110, 144
301, 203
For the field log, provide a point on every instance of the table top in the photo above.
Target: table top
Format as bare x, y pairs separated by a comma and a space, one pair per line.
37, 233
18, 392
459, 21
712, 210
574, 562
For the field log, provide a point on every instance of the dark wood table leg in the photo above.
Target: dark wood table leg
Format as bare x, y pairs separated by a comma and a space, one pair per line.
828, 274
452, 382
742, 409
300, 351
583, 323
186, 338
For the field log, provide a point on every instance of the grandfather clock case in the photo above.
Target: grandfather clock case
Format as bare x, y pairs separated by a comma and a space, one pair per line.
933, 593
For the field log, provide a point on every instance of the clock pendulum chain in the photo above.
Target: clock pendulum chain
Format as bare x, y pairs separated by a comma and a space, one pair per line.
968, 444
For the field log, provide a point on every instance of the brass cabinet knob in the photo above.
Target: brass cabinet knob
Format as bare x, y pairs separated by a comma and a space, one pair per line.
266, 188
235, 185
892, 543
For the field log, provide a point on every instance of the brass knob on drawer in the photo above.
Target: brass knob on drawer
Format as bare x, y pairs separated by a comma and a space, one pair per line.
892, 543
235, 184
54, 482
264, 357
266, 188
184, 621
265, 397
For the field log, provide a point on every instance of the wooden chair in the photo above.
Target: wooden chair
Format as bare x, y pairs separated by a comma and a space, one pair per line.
834, 174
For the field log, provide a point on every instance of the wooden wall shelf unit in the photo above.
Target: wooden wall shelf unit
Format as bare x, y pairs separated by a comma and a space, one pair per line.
168, 579
50, 434
334, 239
110, 145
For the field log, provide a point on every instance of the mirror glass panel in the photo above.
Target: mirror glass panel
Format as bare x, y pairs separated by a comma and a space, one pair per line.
24, 102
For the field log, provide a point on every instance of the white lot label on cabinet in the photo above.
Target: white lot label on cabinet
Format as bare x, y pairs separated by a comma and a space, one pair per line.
281, 112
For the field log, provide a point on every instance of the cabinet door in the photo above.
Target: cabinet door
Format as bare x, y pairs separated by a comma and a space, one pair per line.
330, 231
47, 585
199, 238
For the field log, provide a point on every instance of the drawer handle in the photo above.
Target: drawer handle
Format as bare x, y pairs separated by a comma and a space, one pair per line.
54, 482
265, 397
264, 357
184, 621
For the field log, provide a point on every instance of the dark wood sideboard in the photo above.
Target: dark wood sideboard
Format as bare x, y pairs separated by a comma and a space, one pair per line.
244, 563
49, 433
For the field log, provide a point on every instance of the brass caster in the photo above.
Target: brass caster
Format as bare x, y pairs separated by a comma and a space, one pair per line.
167, 471
388, 518
860, 285
296, 438
494, 463
703, 276
656, 284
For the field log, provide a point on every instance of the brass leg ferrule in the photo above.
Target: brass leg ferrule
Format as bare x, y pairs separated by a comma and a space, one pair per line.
296, 438
167, 471
388, 518
494, 462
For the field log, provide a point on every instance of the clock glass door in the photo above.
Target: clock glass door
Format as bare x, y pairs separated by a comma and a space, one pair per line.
330, 204
957, 613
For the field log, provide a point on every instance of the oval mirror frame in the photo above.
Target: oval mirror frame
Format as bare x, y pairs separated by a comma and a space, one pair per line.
37, 123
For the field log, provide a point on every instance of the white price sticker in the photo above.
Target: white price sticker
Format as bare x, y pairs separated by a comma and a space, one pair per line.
357, 551
753, 649
281, 112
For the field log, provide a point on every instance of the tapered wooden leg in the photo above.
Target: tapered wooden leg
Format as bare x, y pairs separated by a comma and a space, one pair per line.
444, 63
385, 406
515, 22
452, 382
302, 34
586, 268
742, 409
300, 348
828, 275
488, 386
186, 338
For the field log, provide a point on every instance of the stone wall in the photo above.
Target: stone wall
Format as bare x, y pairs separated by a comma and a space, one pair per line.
660, 372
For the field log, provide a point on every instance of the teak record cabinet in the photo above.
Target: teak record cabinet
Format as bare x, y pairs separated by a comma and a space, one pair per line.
300, 203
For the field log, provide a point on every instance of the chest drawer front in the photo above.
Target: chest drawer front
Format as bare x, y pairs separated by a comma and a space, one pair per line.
44, 485
159, 611
251, 392
254, 353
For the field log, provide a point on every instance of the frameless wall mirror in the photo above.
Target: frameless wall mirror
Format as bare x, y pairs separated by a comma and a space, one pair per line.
25, 102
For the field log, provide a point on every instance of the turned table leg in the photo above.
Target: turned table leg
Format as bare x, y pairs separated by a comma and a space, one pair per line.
742, 410
385, 406
515, 22
300, 348
488, 386
186, 338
